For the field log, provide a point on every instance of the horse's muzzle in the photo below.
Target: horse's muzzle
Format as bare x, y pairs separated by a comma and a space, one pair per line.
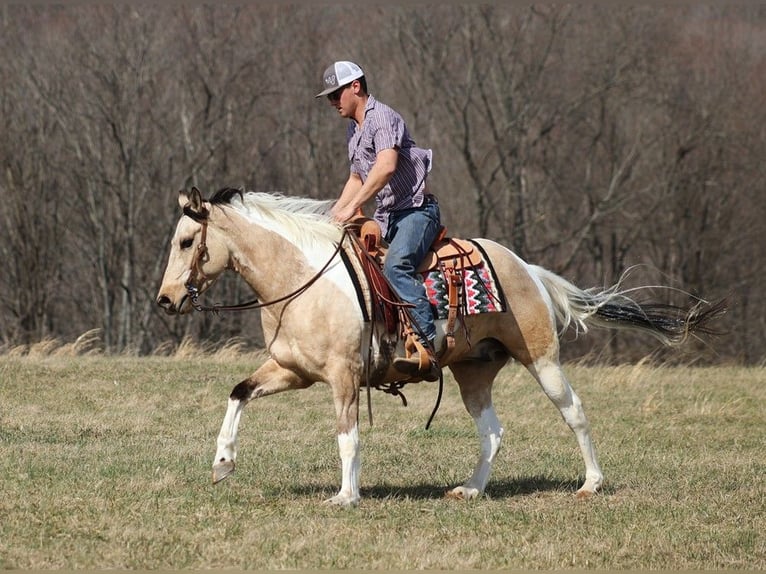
165, 302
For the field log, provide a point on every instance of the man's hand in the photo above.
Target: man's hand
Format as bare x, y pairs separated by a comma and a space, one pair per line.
345, 213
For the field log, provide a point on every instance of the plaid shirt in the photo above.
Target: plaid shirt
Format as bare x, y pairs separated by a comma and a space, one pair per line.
383, 128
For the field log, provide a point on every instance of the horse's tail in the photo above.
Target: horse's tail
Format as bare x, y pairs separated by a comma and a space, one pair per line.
613, 309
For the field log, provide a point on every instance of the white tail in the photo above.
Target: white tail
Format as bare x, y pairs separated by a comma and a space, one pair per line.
610, 308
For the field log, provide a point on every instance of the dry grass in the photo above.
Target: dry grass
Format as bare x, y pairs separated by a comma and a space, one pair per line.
106, 464
91, 343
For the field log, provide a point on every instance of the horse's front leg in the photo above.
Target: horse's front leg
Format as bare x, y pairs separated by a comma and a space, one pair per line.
271, 378
345, 397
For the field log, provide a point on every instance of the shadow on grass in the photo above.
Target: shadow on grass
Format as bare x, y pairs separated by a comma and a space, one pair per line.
496, 489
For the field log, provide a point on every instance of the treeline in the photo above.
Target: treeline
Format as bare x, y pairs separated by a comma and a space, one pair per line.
589, 139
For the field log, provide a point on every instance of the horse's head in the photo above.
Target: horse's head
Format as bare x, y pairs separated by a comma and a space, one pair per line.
197, 255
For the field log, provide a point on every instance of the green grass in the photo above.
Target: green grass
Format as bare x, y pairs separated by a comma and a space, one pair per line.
106, 464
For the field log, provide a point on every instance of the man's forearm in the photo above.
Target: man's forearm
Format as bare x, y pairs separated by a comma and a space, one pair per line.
350, 191
378, 178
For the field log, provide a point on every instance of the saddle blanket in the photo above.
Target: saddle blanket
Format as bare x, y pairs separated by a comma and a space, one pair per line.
479, 292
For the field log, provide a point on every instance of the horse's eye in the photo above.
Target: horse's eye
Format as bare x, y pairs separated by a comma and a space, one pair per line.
186, 243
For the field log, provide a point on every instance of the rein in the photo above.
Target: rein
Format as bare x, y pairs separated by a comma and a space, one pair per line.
197, 276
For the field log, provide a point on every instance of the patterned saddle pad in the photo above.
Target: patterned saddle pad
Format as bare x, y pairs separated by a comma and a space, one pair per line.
479, 292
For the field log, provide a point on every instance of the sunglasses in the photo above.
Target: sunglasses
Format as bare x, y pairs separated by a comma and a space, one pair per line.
335, 96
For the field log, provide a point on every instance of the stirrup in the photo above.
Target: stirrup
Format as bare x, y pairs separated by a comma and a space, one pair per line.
417, 361
412, 367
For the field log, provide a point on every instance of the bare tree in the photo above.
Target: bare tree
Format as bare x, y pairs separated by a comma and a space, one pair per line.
589, 139
31, 213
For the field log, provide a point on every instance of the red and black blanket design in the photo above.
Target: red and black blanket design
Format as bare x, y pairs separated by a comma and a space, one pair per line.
480, 292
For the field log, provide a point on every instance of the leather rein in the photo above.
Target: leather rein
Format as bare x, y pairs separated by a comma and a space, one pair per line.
197, 277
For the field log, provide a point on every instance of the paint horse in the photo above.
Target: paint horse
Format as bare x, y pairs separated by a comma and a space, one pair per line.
289, 251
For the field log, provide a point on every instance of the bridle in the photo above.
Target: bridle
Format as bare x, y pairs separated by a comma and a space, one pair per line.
198, 277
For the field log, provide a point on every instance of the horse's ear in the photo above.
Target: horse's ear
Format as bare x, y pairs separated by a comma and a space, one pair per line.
192, 204
195, 199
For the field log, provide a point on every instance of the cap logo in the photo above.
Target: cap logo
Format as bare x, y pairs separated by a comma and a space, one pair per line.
330, 80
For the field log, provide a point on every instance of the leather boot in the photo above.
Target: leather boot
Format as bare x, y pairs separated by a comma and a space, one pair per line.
411, 367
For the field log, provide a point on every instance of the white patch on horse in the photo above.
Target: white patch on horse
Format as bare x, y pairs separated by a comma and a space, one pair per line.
304, 222
348, 446
491, 436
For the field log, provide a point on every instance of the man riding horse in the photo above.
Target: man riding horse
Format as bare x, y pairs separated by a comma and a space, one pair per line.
387, 165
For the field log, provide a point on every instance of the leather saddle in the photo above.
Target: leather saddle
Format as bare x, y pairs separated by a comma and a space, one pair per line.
444, 251
449, 255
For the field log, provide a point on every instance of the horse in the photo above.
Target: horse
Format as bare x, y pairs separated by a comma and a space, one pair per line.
291, 253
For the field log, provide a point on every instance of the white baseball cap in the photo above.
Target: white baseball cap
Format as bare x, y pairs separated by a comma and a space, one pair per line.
338, 75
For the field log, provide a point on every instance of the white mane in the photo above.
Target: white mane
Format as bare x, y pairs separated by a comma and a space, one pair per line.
302, 221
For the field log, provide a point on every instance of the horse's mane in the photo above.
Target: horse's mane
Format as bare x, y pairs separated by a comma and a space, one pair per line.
301, 220
224, 195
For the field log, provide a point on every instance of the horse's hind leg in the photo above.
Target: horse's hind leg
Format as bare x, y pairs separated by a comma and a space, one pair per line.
554, 383
475, 381
267, 380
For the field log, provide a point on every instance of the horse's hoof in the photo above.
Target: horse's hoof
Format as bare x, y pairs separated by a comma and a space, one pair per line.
590, 488
222, 470
461, 493
453, 495
584, 494
343, 501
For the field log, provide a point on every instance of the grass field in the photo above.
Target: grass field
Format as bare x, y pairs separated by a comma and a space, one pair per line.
106, 464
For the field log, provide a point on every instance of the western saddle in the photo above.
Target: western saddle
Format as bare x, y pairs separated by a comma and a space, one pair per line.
448, 255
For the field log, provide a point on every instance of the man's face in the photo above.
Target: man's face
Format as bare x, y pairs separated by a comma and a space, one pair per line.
342, 100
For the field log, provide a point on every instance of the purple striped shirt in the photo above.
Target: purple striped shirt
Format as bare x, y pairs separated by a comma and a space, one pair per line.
383, 128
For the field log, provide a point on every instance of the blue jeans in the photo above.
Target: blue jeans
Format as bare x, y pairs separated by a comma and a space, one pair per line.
410, 233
